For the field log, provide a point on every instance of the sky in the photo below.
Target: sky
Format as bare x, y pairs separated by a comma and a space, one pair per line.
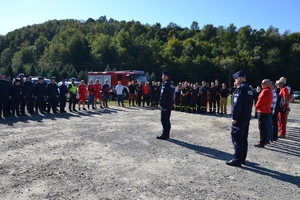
282, 14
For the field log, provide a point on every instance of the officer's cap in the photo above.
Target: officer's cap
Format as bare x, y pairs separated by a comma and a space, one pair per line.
73, 79
40, 77
166, 73
239, 74
21, 74
16, 80
7, 75
52, 78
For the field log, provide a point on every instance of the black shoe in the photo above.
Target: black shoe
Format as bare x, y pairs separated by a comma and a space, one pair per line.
74, 110
259, 145
243, 162
233, 163
162, 137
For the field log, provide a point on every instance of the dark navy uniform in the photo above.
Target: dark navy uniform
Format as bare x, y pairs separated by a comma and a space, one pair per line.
5, 87
166, 103
16, 93
52, 94
63, 91
39, 95
218, 87
241, 112
203, 98
28, 94
212, 99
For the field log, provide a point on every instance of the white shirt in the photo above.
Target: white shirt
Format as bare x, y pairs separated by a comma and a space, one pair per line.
119, 89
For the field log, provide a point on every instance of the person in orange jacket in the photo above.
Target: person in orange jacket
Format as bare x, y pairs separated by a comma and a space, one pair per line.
263, 107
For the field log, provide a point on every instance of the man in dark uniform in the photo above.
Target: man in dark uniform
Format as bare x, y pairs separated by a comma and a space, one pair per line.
212, 98
72, 91
218, 98
63, 91
28, 95
203, 97
39, 95
8, 78
241, 114
185, 93
16, 92
5, 87
23, 97
166, 102
52, 95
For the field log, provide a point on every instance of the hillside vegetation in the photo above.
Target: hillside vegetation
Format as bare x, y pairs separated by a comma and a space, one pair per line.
66, 48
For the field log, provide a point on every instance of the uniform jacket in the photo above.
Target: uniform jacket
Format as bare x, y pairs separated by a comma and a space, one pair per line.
27, 89
242, 99
63, 90
4, 88
16, 91
264, 102
167, 95
51, 90
39, 89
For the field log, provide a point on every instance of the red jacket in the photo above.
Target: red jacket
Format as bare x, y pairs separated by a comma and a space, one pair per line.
264, 102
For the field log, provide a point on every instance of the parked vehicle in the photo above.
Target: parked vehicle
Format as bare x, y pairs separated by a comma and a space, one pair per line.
114, 76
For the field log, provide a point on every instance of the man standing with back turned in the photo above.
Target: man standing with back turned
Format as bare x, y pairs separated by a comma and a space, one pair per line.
166, 102
241, 114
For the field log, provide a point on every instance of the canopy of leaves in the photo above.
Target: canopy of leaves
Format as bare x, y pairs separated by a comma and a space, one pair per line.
67, 48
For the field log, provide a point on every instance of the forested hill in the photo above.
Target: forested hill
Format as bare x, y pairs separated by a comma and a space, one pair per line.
66, 48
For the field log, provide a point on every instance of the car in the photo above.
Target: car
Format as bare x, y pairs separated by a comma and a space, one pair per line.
296, 96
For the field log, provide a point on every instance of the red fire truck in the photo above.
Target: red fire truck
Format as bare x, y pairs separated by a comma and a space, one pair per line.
114, 76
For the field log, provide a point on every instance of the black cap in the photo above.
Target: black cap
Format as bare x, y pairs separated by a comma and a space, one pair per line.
239, 74
52, 78
166, 73
40, 77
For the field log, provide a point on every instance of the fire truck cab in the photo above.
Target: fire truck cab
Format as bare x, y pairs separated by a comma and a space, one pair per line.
113, 77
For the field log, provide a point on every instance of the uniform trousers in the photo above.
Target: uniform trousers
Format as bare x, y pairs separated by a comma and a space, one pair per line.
239, 137
165, 121
262, 125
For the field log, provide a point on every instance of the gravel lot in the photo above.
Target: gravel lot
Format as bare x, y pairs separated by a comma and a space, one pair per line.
113, 154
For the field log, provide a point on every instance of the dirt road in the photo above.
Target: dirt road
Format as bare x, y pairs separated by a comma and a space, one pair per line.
113, 154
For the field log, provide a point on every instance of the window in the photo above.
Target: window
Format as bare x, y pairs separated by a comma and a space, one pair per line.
120, 77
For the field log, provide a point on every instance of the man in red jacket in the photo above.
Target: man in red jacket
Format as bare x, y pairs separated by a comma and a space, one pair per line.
263, 107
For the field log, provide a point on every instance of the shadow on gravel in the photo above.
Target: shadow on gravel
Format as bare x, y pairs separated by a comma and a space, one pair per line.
39, 118
290, 145
205, 151
254, 167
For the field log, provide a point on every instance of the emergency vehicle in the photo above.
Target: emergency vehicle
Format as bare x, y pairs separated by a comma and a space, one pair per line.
113, 77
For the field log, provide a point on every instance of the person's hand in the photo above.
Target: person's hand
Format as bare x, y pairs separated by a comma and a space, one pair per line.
159, 107
233, 121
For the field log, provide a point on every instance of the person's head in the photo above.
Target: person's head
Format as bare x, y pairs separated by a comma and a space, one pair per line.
216, 82
52, 79
283, 79
72, 80
82, 82
272, 85
119, 82
153, 83
2, 76
223, 85
106, 81
8, 77
17, 81
265, 83
40, 79
97, 81
28, 78
212, 84
281, 83
63, 81
165, 76
239, 77
91, 81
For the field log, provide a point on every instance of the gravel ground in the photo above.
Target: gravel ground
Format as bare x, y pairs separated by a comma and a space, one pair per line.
113, 154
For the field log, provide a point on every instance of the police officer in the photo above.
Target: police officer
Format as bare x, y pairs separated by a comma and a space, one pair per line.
63, 91
52, 95
28, 95
241, 114
39, 95
16, 92
23, 97
72, 91
5, 87
166, 102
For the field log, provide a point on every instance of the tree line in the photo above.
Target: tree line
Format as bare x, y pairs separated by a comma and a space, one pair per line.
67, 48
